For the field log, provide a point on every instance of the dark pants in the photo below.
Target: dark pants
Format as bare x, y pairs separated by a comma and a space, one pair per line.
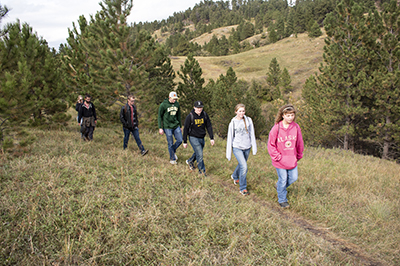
135, 133
89, 133
197, 145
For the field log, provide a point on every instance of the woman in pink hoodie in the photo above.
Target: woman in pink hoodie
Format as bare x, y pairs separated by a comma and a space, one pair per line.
285, 146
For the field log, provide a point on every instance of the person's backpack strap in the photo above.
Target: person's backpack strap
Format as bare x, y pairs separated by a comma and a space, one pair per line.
191, 122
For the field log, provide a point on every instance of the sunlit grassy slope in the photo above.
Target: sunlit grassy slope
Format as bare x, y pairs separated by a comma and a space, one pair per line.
76, 203
301, 56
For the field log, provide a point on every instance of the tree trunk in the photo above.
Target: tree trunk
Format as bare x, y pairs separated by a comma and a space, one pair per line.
386, 141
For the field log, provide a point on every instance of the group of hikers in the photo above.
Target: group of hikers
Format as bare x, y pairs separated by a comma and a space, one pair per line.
285, 141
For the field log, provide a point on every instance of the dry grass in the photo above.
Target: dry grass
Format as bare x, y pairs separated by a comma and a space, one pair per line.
301, 56
76, 203
219, 32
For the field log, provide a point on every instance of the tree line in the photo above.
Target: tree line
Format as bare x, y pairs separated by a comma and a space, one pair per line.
274, 19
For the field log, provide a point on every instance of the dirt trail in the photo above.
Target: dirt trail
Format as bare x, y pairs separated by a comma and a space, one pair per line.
344, 245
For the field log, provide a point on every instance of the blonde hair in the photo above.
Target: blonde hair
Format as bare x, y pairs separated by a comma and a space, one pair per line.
286, 109
237, 107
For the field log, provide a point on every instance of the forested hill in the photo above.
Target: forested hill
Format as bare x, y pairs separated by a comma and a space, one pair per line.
273, 20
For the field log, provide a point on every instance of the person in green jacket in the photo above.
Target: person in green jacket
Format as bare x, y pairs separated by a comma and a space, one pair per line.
169, 122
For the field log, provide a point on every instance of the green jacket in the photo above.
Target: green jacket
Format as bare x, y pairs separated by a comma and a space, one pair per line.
169, 115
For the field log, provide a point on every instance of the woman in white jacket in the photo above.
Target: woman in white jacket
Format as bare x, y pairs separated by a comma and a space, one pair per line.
241, 138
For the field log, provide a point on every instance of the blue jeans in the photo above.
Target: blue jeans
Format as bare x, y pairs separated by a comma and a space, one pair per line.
241, 169
135, 133
197, 145
285, 179
172, 147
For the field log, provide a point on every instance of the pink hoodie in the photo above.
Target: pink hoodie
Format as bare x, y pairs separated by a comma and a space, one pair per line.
287, 148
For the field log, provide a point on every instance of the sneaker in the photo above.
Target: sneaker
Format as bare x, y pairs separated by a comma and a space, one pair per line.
284, 205
144, 152
244, 192
173, 162
191, 166
202, 174
235, 182
176, 157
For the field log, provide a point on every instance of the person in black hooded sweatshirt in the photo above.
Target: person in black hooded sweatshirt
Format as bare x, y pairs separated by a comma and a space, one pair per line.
196, 124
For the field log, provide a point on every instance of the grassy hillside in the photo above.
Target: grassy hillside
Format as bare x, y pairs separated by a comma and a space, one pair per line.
76, 203
301, 56
219, 32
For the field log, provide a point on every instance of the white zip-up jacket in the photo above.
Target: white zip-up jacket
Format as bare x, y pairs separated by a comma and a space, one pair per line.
239, 138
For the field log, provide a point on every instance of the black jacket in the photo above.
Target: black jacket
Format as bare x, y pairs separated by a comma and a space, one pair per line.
197, 126
125, 117
87, 112
77, 106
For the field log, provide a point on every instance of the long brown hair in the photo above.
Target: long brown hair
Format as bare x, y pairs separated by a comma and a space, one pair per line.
286, 109
237, 107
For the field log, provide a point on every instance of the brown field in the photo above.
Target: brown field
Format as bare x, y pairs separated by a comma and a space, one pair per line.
301, 56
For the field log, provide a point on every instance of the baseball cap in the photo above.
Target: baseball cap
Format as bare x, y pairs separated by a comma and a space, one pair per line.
198, 104
173, 95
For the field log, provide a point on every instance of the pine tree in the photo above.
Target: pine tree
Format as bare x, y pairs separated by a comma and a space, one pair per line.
161, 82
280, 27
273, 78
289, 29
285, 81
3, 11
224, 46
183, 47
272, 35
111, 60
258, 24
76, 60
31, 88
314, 31
227, 92
253, 110
338, 94
191, 89
386, 93
225, 96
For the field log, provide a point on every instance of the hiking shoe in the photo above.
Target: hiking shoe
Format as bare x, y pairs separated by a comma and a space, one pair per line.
144, 152
173, 162
244, 192
176, 157
235, 182
284, 205
191, 165
203, 174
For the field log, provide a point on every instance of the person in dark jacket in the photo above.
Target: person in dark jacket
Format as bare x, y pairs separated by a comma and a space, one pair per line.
195, 127
130, 123
87, 118
78, 104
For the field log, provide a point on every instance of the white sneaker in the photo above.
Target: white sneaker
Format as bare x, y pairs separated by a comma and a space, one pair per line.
176, 157
173, 162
